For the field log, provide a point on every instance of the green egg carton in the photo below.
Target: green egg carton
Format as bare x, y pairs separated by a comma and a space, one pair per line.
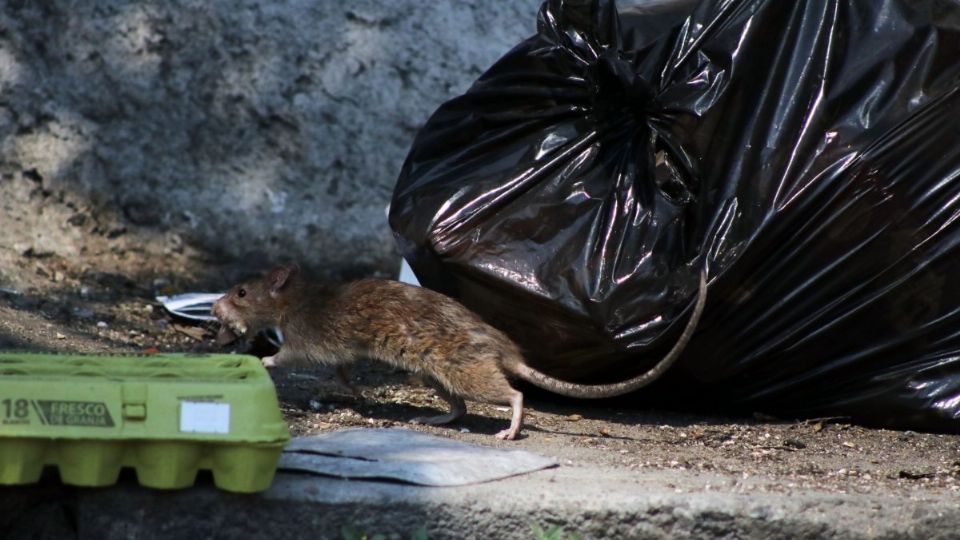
164, 415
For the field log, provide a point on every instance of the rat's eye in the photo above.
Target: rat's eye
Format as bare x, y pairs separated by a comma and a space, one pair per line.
241, 293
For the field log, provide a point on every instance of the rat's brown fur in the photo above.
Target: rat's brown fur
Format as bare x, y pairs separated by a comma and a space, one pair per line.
409, 327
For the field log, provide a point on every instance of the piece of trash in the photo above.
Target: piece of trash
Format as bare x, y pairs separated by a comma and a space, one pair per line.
406, 274
196, 306
61, 336
193, 306
11, 292
464, 430
102, 324
408, 456
574, 417
315, 405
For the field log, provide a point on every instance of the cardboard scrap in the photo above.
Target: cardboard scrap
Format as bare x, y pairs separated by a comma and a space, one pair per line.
407, 456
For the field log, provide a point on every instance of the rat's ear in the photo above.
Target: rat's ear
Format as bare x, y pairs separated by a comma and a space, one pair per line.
278, 277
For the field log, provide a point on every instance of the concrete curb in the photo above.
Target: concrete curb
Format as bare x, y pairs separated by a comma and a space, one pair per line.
591, 501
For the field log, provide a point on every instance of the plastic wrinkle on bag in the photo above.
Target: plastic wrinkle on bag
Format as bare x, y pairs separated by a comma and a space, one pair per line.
806, 153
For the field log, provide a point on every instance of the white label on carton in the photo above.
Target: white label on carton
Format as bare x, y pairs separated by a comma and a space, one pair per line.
204, 417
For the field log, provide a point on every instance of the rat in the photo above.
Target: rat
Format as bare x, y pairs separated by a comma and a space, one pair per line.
409, 327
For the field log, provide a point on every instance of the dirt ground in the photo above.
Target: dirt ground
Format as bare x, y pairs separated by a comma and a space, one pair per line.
61, 305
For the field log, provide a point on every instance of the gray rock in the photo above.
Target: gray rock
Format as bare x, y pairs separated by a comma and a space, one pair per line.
246, 128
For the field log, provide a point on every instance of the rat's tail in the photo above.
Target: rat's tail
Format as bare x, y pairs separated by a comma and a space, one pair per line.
597, 391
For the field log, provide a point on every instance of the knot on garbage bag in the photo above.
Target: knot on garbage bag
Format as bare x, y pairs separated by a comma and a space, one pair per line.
618, 90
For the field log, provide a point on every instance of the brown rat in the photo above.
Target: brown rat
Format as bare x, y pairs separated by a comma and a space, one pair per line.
410, 327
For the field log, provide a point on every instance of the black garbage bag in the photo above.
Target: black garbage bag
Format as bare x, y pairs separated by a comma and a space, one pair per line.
807, 154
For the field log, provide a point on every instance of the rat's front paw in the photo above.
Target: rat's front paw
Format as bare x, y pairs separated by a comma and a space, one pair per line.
269, 361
